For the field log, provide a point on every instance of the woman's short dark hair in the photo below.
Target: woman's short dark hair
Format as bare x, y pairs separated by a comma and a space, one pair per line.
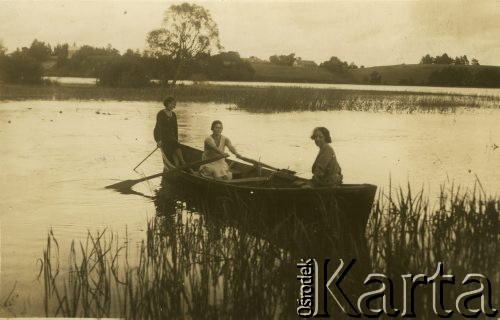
168, 100
325, 133
215, 123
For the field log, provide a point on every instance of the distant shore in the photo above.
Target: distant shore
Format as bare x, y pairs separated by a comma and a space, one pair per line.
446, 75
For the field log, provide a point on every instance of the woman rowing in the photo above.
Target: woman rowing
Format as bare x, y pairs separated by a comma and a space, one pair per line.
215, 145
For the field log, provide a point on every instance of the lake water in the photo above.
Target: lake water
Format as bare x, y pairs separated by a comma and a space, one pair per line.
57, 156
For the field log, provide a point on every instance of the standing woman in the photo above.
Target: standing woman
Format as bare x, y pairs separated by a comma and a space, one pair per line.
214, 146
326, 169
166, 133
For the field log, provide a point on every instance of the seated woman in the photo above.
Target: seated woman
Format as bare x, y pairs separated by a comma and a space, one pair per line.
326, 169
215, 145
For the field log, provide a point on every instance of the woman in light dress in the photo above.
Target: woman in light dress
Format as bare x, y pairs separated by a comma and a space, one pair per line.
215, 145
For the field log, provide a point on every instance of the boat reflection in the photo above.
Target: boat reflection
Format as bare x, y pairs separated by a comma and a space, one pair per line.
246, 261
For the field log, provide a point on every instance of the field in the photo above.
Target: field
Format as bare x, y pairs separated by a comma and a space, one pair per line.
416, 74
407, 74
271, 72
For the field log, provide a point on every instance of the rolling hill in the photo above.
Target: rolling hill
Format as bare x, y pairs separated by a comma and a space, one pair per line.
405, 74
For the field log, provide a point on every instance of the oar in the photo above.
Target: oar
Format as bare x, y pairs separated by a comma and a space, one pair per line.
126, 184
258, 163
149, 155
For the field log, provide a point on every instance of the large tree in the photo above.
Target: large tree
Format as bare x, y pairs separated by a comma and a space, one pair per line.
39, 50
443, 59
283, 60
336, 65
187, 31
427, 59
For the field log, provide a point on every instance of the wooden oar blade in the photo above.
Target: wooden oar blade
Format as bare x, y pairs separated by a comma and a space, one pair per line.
124, 187
129, 183
121, 185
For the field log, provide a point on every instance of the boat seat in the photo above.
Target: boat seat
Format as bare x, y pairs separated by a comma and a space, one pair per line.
246, 180
239, 173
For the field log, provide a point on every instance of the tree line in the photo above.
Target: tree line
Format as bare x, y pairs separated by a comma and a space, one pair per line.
130, 69
334, 64
445, 59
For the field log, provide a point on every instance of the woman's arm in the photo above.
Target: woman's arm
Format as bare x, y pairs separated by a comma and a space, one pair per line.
232, 148
176, 128
157, 130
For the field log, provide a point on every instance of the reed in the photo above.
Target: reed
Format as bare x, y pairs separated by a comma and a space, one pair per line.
8, 301
406, 235
462, 232
185, 268
204, 267
263, 99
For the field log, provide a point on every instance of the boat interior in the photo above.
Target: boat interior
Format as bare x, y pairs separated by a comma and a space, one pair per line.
252, 173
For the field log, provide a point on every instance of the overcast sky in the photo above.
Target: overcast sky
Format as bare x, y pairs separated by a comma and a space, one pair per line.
366, 32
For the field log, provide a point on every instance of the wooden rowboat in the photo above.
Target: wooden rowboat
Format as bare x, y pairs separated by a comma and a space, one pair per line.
274, 195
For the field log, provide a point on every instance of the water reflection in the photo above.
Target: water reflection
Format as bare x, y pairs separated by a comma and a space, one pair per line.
246, 261
257, 252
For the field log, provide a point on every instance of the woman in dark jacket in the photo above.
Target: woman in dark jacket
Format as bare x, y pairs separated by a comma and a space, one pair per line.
166, 132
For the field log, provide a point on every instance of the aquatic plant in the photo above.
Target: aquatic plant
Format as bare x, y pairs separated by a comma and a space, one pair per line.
264, 99
406, 235
185, 268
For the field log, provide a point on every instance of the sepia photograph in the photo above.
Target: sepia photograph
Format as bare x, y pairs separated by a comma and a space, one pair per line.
250, 159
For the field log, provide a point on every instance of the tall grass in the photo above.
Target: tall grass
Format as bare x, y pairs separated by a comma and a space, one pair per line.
276, 99
270, 99
204, 267
463, 231
185, 269
8, 301
406, 234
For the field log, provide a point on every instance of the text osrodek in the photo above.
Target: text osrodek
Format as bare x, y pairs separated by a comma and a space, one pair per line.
314, 294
